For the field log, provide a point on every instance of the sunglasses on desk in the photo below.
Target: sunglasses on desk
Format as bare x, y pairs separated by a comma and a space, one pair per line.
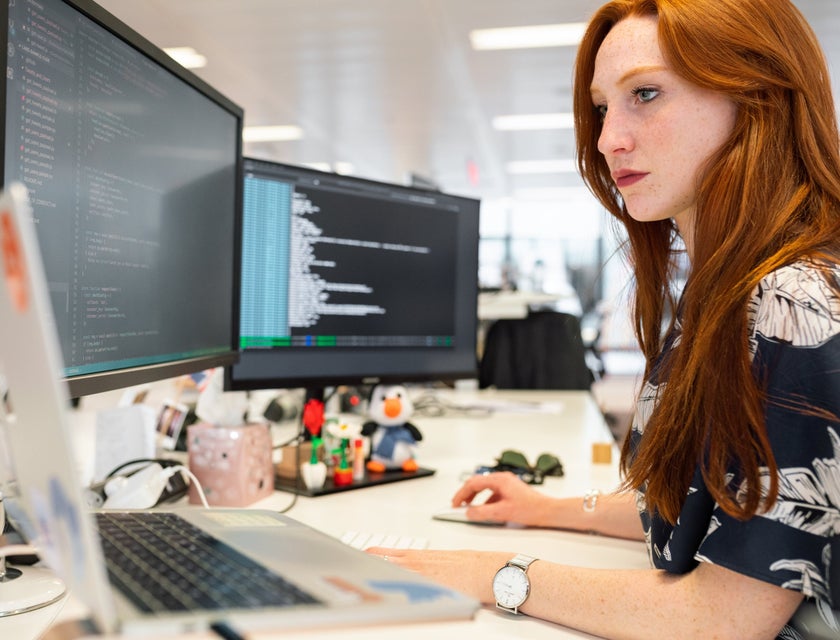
515, 461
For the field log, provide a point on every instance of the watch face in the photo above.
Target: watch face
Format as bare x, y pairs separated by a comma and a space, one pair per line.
510, 586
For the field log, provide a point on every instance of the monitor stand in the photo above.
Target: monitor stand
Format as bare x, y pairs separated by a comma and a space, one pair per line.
27, 589
29, 603
369, 479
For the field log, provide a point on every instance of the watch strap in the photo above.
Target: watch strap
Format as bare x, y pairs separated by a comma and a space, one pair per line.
522, 561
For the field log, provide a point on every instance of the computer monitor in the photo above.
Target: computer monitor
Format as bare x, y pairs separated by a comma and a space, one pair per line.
134, 170
352, 281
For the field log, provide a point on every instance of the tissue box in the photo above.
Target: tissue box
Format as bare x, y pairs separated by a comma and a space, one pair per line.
233, 464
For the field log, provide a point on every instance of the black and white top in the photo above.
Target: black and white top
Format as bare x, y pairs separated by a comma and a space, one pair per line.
794, 320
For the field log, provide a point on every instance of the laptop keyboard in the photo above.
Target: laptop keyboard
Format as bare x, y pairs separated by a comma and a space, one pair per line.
162, 563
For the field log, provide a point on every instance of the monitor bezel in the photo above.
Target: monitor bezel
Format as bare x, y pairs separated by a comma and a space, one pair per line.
93, 383
321, 378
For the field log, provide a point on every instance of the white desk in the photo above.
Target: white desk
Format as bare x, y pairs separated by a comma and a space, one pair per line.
516, 304
454, 445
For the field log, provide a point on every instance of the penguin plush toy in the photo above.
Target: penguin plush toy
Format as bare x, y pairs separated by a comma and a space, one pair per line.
393, 438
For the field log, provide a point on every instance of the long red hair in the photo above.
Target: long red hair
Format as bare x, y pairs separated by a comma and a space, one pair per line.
769, 196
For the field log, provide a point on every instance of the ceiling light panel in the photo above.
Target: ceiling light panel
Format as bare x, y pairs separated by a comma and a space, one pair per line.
562, 165
568, 34
534, 122
275, 133
187, 57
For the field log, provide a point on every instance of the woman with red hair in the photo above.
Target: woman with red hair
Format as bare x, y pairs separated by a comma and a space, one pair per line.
707, 129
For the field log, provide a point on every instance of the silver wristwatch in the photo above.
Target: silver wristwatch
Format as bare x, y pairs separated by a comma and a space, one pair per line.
511, 586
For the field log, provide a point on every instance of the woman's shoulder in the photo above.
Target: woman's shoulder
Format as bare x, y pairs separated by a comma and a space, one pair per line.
806, 281
798, 304
807, 265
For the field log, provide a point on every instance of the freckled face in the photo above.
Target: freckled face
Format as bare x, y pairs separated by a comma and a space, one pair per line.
658, 129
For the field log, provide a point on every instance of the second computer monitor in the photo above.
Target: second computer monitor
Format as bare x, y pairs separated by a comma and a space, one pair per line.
133, 166
351, 281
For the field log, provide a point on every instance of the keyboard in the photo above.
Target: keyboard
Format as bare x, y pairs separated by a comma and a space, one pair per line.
161, 562
364, 540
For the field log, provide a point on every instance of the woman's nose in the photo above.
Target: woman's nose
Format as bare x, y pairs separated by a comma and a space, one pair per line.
615, 134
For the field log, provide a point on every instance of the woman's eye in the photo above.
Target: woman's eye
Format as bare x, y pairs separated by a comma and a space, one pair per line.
645, 94
601, 110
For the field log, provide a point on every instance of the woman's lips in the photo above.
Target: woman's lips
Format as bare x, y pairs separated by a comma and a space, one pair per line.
628, 179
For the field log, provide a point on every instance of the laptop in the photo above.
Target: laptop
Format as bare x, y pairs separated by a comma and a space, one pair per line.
342, 586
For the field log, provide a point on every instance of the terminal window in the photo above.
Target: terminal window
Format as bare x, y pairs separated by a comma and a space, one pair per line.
324, 266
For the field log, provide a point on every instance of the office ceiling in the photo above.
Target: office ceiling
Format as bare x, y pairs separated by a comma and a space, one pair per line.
393, 86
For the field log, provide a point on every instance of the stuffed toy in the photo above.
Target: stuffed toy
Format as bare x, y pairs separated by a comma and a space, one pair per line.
393, 438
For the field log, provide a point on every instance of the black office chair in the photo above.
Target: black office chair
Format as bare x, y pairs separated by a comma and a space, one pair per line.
542, 351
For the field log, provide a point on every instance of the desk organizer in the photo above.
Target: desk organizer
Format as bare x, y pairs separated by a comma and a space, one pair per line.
233, 464
370, 480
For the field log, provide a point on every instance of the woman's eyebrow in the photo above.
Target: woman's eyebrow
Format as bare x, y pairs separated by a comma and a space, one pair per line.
628, 75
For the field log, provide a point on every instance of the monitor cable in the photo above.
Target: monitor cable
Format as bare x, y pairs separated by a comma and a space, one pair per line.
297, 440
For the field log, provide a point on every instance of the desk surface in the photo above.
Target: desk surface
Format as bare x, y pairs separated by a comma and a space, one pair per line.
517, 304
563, 423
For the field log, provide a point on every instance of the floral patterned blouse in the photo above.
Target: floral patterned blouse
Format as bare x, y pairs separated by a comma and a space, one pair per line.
794, 320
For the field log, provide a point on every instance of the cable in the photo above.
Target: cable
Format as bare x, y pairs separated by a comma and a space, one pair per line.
164, 462
299, 439
430, 405
171, 471
225, 631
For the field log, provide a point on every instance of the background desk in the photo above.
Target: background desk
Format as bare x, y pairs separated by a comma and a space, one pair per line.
563, 423
517, 304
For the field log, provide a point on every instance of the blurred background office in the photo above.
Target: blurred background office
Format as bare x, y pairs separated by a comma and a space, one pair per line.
469, 96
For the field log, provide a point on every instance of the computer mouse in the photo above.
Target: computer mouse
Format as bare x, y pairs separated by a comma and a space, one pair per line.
459, 514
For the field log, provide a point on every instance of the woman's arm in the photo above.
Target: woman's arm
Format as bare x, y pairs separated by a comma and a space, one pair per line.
512, 500
708, 602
